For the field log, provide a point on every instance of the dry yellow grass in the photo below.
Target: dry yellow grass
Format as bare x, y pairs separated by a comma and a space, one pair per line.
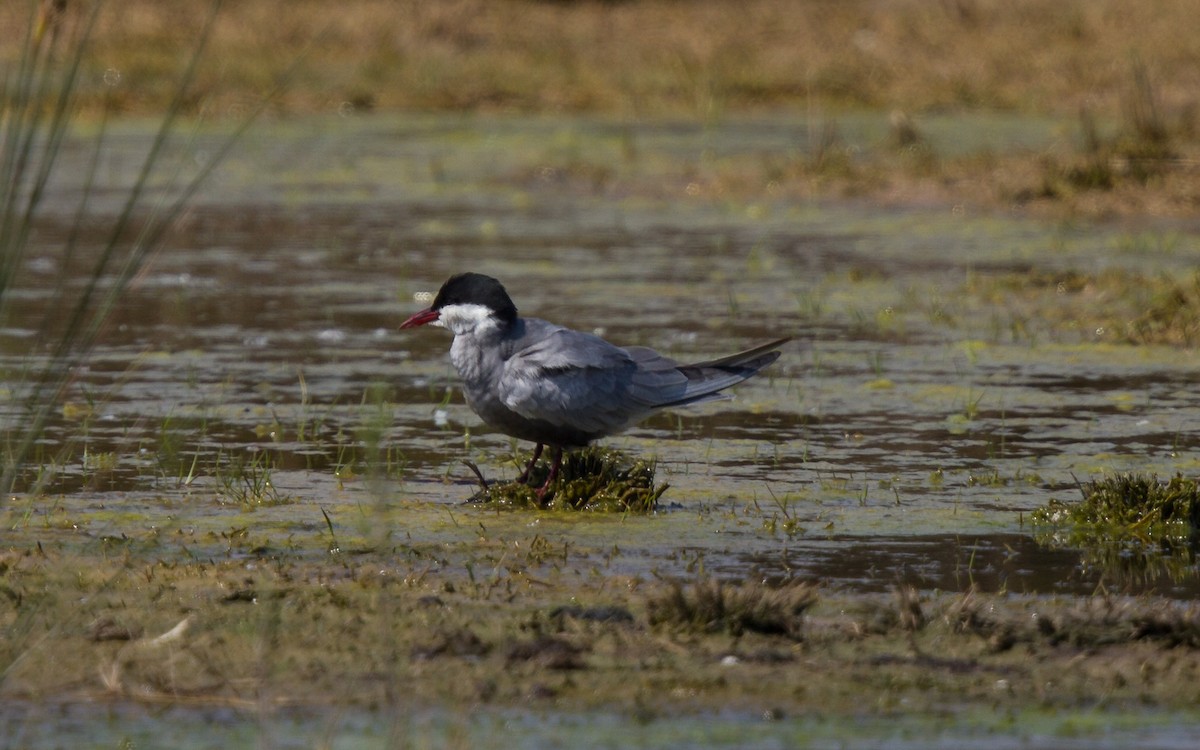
1078, 60
651, 57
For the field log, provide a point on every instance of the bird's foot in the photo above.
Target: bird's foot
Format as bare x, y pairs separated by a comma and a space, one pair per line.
537, 453
554, 470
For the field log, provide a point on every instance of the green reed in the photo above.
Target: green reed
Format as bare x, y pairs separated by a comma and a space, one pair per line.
38, 96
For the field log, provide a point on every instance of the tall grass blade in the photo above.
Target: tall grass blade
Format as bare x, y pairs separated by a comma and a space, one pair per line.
36, 113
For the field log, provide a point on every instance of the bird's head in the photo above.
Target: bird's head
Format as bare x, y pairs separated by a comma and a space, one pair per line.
468, 303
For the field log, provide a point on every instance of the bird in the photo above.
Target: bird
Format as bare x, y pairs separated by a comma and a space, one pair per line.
557, 387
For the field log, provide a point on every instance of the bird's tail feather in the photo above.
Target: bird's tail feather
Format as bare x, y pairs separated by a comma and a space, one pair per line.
744, 357
707, 379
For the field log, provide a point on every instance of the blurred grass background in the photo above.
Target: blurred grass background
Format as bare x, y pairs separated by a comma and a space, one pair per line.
1122, 78
654, 57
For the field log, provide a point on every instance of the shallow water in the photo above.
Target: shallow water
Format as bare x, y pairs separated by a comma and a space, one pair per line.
124, 725
906, 434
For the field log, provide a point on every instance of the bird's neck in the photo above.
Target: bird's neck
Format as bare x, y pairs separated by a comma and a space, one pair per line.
478, 353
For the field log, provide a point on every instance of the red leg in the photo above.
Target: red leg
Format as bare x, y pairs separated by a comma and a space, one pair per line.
558, 453
537, 453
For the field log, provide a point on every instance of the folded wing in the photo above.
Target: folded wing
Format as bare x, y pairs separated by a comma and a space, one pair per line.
570, 379
578, 380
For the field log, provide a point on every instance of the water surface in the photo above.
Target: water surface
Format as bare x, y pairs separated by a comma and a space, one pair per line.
906, 434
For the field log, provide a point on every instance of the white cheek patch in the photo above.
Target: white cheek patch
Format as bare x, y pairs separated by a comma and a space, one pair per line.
467, 318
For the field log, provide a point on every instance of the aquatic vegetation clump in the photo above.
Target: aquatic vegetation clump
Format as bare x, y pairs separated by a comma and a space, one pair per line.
594, 479
1115, 305
1129, 524
1131, 505
710, 606
245, 480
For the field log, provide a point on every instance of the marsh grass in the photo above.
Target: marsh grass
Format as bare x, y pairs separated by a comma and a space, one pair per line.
245, 479
1133, 525
1110, 305
593, 479
710, 59
1171, 314
1144, 146
39, 102
1087, 623
702, 58
323, 636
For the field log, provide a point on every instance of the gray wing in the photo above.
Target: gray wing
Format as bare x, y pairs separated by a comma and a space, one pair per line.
706, 380
577, 380
661, 382
657, 380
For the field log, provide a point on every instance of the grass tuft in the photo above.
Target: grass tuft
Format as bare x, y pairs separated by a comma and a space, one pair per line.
1131, 524
710, 606
593, 479
1131, 505
245, 479
1144, 147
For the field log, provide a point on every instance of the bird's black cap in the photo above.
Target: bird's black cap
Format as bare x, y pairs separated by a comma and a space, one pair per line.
476, 289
